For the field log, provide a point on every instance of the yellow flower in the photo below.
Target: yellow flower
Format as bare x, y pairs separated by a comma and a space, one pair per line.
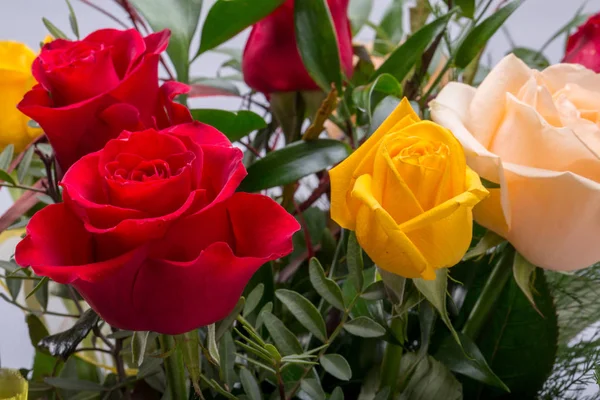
408, 194
15, 80
12, 385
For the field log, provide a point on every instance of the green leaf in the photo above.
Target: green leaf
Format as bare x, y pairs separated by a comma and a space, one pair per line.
63, 344
259, 320
253, 299
467, 7
284, 339
524, 273
202, 87
355, 263
337, 394
304, 311
488, 242
224, 325
337, 366
227, 357
213, 349
189, 345
478, 37
364, 327
467, 360
25, 164
4, 176
138, 347
312, 387
358, 13
181, 18
317, 42
227, 18
489, 184
73, 20
293, 162
327, 288
41, 292
518, 343
401, 61
37, 329
383, 85
390, 31
395, 284
375, 291
74, 384
6, 156
435, 292
428, 379
54, 31
250, 385
235, 125
533, 58
14, 286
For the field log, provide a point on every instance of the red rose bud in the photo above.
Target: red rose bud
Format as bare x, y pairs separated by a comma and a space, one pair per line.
583, 47
91, 90
271, 61
152, 234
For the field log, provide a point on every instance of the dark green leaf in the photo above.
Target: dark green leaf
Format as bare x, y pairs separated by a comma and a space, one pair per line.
74, 384
14, 286
284, 339
235, 125
518, 343
395, 286
488, 242
304, 311
266, 308
39, 286
467, 7
203, 87
227, 358
327, 288
383, 85
355, 263
489, 184
337, 366
375, 291
253, 299
189, 345
358, 13
64, 344
73, 20
467, 360
435, 292
238, 15
211, 343
293, 162
6, 156
401, 61
364, 327
54, 31
337, 394
4, 176
250, 385
181, 18
138, 347
37, 329
479, 36
317, 42
427, 379
312, 387
25, 164
226, 323
390, 30
533, 58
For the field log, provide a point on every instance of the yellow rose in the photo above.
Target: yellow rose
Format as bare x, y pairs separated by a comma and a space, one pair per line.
12, 385
408, 194
15, 81
537, 134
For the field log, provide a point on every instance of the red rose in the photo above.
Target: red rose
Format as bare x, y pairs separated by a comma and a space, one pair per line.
271, 61
151, 232
91, 90
583, 47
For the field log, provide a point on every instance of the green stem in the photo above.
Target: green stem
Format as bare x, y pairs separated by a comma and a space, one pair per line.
490, 293
174, 368
390, 367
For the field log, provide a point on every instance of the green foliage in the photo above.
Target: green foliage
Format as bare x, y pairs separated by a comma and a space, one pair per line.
235, 125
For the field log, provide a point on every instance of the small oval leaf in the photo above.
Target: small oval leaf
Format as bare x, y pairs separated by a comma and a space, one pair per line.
327, 288
337, 366
304, 311
364, 327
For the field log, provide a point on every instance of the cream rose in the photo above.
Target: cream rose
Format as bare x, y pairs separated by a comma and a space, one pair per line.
537, 134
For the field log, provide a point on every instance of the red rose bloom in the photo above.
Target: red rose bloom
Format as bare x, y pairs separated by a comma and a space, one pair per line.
271, 61
151, 232
91, 90
583, 47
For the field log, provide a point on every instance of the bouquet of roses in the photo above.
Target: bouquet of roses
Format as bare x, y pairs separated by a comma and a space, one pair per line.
301, 247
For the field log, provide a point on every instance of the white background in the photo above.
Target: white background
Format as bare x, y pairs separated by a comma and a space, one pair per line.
531, 25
